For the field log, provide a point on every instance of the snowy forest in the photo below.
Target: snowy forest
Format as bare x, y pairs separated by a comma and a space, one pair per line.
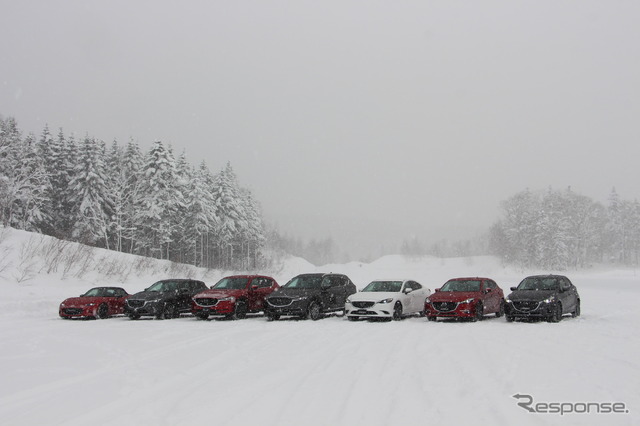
560, 230
117, 197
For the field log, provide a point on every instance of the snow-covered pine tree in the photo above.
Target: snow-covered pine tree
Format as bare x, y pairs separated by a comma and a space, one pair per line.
160, 199
92, 203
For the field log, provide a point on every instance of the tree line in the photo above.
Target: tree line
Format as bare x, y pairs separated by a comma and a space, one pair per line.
560, 229
119, 198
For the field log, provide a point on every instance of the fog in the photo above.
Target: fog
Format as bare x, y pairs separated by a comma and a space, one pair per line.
370, 122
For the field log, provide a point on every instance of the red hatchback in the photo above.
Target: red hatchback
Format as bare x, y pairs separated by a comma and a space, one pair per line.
465, 298
234, 296
99, 302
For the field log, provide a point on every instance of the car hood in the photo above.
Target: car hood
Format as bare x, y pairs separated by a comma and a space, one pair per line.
152, 295
453, 296
373, 296
82, 301
290, 292
531, 295
219, 294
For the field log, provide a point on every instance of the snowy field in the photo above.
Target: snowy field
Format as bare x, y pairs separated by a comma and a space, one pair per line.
330, 372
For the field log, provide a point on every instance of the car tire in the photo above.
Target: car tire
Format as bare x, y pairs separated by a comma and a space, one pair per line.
102, 312
479, 314
576, 311
556, 315
500, 309
313, 311
433, 319
397, 311
168, 311
353, 318
509, 318
240, 311
134, 316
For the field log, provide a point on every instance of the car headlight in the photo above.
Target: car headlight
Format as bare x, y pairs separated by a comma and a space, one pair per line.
507, 300
427, 300
348, 300
549, 299
389, 300
91, 304
227, 299
470, 300
297, 299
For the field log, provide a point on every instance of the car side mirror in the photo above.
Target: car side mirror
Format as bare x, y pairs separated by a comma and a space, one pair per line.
487, 290
437, 290
513, 288
254, 287
565, 288
407, 290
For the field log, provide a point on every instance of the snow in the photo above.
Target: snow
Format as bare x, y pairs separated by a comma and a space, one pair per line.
186, 371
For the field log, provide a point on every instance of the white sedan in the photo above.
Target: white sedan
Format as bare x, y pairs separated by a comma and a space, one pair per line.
390, 299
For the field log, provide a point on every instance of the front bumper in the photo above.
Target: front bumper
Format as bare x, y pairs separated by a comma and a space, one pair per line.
369, 310
143, 308
295, 307
458, 310
529, 309
226, 307
77, 311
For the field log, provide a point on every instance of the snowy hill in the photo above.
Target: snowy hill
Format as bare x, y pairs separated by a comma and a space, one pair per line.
186, 371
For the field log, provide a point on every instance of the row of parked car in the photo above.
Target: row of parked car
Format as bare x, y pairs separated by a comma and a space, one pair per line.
314, 295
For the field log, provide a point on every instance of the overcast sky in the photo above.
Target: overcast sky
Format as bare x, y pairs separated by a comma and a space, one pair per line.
367, 121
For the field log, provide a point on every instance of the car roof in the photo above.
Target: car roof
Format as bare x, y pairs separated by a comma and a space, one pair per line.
470, 278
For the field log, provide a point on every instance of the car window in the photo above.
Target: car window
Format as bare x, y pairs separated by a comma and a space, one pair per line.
415, 285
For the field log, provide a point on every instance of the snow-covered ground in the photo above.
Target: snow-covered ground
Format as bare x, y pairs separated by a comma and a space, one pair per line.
330, 372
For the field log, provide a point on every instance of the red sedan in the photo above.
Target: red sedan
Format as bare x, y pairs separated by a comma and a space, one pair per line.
471, 298
99, 302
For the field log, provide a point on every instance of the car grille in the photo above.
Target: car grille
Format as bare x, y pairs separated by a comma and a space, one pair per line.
135, 303
206, 301
363, 304
445, 306
72, 311
526, 306
279, 301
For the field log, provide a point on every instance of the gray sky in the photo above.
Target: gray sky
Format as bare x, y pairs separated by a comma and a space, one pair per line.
370, 121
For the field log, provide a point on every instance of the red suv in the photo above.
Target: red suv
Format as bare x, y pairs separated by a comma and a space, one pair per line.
234, 296
465, 298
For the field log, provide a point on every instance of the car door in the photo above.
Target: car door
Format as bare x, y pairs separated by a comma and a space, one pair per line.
567, 294
492, 297
259, 288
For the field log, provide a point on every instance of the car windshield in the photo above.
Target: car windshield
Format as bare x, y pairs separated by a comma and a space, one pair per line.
539, 283
461, 285
231, 283
96, 292
391, 286
164, 286
305, 282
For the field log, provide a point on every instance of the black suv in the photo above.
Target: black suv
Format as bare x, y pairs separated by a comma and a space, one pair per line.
543, 296
164, 299
309, 296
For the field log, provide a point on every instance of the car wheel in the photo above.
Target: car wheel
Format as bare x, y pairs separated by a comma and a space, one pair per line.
103, 311
556, 315
397, 311
509, 318
168, 311
500, 309
352, 318
202, 315
430, 318
479, 312
240, 311
313, 311
576, 312
134, 316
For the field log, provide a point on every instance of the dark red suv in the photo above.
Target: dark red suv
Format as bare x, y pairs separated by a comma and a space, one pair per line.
465, 298
234, 296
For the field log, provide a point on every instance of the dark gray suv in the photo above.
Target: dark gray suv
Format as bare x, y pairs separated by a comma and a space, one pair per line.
164, 299
310, 296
